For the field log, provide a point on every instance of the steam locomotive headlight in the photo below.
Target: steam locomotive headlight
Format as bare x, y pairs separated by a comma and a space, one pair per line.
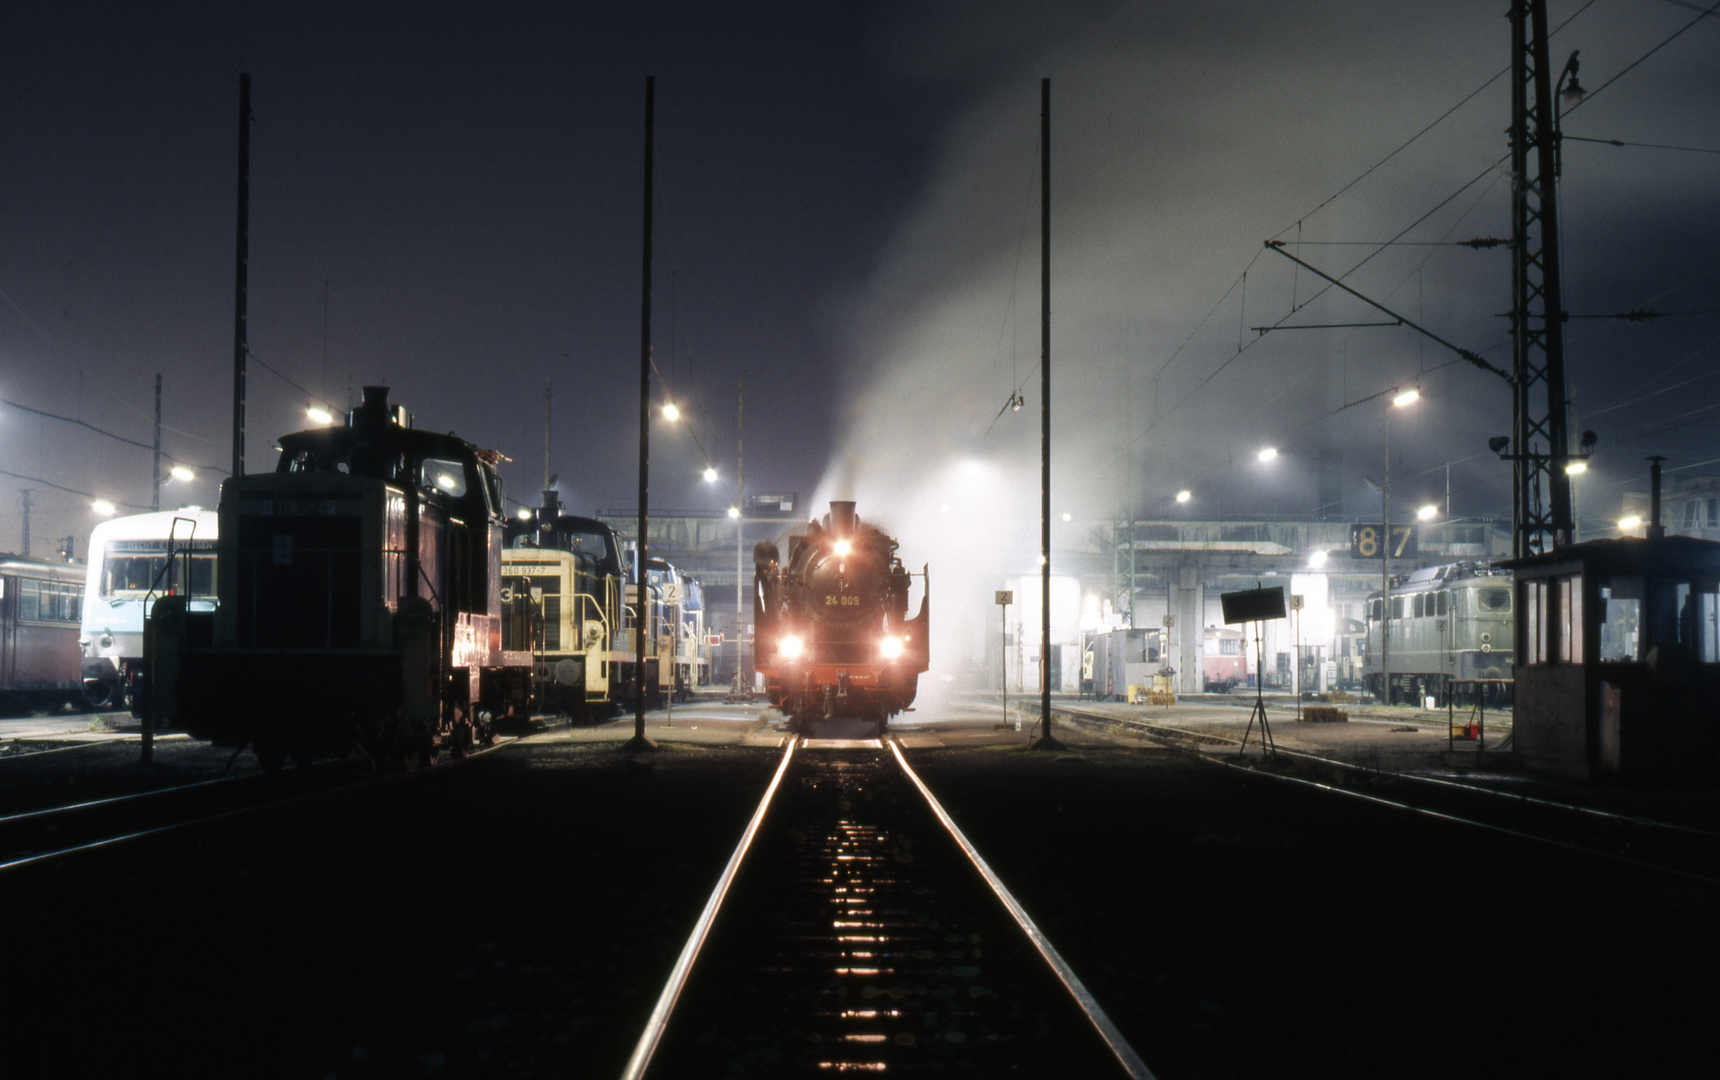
842, 548
890, 648
790, 647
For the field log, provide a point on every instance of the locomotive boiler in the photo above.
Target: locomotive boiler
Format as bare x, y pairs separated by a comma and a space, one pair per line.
833, 634
358, 601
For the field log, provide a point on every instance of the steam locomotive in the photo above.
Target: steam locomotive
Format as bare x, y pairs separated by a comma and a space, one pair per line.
832, 629
358, 590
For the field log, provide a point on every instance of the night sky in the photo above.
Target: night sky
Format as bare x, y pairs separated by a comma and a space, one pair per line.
449, 202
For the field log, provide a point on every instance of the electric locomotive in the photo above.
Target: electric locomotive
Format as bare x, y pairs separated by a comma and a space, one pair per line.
358, 602
832, 629
1448, 623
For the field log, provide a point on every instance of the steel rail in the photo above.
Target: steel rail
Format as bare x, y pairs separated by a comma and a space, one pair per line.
1437, 781
49, 811
654, 1027
1119, 1046
69, 746
1489, 826
109, 841
1441, 814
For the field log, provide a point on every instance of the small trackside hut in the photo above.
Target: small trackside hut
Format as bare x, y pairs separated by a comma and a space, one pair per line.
1619, 658
358, 601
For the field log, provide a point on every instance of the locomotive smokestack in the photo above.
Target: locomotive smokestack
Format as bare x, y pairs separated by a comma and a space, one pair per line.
842, 517
372, 411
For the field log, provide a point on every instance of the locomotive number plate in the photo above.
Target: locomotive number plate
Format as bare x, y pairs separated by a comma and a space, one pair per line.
841, 601
307, 507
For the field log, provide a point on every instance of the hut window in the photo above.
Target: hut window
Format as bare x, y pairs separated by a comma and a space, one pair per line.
1683, 614
1620, 619
1533, 607
1566, 617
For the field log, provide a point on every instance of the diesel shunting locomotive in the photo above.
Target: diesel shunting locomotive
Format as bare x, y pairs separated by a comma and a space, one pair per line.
833, 634
358, 601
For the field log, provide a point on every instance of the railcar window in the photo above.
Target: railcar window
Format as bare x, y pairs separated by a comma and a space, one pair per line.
48, 601
135, 575
1444, 600
1229, 647
443, 475
1397, 607
1495, 600
1620, 619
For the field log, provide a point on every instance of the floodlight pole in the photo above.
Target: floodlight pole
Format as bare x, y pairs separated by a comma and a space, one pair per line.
639, 741
241, 262
1385, 568
1046, 742
743, 685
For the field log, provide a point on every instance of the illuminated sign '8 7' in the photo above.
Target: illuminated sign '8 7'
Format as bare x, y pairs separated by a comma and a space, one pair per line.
1365, 542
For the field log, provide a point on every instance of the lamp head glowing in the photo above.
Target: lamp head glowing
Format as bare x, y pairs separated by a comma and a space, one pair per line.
1427, 513
1631, 522
319, 415
1184, 495
180, 472
842, 548
1408, 397
1268, 453
1576, 468
103, 507
791, 647
1317, 559
710, 474
525, 513
670, 412
734, 511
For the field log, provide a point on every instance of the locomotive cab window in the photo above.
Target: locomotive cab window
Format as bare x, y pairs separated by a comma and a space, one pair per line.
1494, 600
439, 474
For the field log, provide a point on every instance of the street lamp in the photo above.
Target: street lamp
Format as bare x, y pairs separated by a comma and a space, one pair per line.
104, 507
319, 415
1268, 453
1427, 513
670, 411
1184, 495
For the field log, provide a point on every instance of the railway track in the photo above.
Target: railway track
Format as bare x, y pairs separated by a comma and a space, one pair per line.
1681, 850
856, 930
34, 836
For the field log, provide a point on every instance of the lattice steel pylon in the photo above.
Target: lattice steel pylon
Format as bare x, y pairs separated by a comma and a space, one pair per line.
1540, 447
